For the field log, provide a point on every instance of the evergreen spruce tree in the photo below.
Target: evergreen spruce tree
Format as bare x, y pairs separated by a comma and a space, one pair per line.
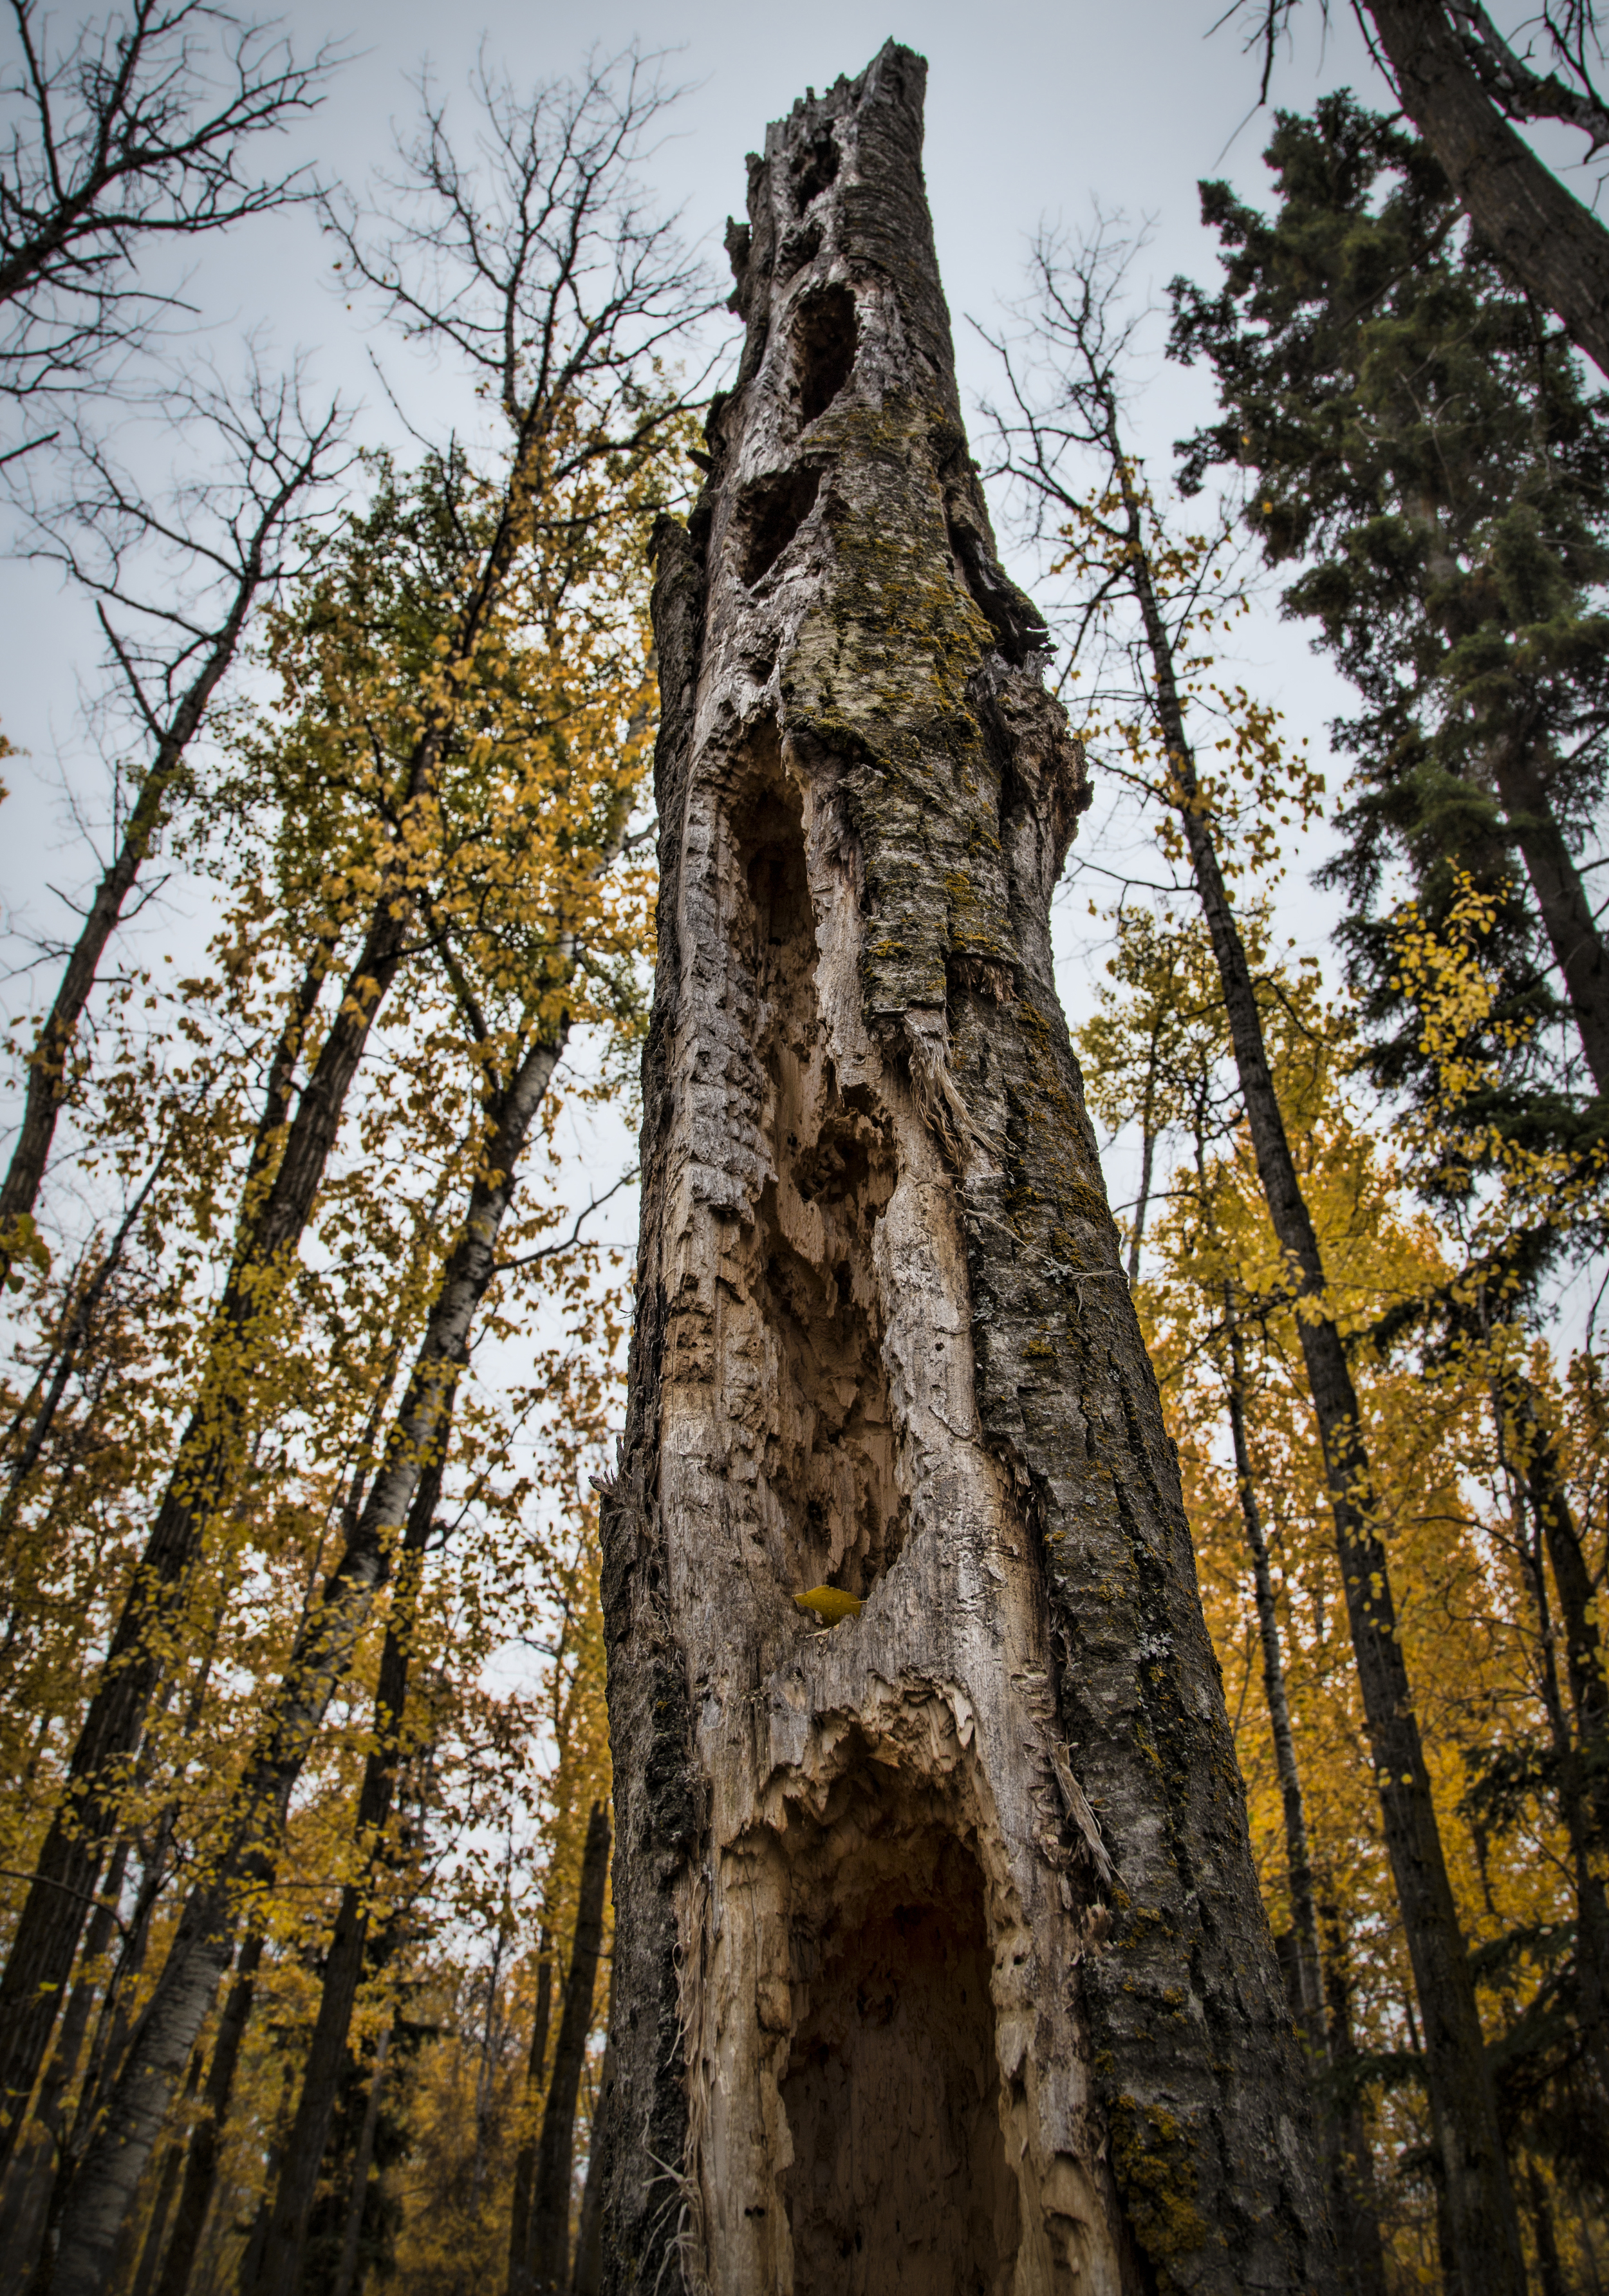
1424, 451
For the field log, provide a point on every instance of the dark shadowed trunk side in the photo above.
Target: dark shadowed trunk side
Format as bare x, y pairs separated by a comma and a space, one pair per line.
588, 2277
346, 2270
1355, 2200
304, 2151
937, 1931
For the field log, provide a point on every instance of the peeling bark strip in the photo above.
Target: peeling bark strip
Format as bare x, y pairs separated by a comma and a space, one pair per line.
882, 2023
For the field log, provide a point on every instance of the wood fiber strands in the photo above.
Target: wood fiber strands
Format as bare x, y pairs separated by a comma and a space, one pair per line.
939, 1963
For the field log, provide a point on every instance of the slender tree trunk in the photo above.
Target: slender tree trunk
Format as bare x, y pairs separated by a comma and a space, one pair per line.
1534, 1454
1540, 232
49, 1065
1572, 1750
1143, 1202
251, 2255
167, 2193
1566, 906
587, 2279
73, 1335
34, 1971
906, 1909
525, 2160
1299, 1862
200, 1951
1355, 2200
1483, 2225
550, 2204
47, 1930
207, 2138
304, 2151
1550, 2271
27, 2199
346, 2271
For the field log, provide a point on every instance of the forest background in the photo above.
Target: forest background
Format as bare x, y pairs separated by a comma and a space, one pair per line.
437, 1851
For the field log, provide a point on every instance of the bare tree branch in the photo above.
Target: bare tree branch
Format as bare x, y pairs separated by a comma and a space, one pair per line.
175, 581
538, 261
143, 130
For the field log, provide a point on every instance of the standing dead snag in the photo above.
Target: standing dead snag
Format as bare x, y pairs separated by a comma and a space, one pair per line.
940, 1960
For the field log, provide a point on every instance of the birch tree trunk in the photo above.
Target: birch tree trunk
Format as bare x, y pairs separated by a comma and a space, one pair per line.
939, 1959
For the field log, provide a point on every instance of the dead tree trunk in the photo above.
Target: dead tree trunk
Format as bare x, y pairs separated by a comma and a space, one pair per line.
940, 1958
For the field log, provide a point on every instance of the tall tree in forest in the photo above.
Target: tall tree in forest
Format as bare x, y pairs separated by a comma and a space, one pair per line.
1464, 85
1157, 1048
174, 628
910, 1695
1425, 444
536, 936
1424, 450
564, 321
548, 2273
1517, 1204
1477, 1648
1158, 600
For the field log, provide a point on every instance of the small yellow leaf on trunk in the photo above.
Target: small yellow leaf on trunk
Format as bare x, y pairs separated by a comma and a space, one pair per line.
830, 1605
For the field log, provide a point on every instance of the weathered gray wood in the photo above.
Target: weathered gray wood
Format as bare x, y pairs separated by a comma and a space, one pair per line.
939, 1963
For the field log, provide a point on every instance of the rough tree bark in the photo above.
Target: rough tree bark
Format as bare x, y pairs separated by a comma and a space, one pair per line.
940, 1958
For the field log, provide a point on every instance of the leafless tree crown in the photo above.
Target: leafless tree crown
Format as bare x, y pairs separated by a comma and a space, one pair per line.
533, 255
145, 129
